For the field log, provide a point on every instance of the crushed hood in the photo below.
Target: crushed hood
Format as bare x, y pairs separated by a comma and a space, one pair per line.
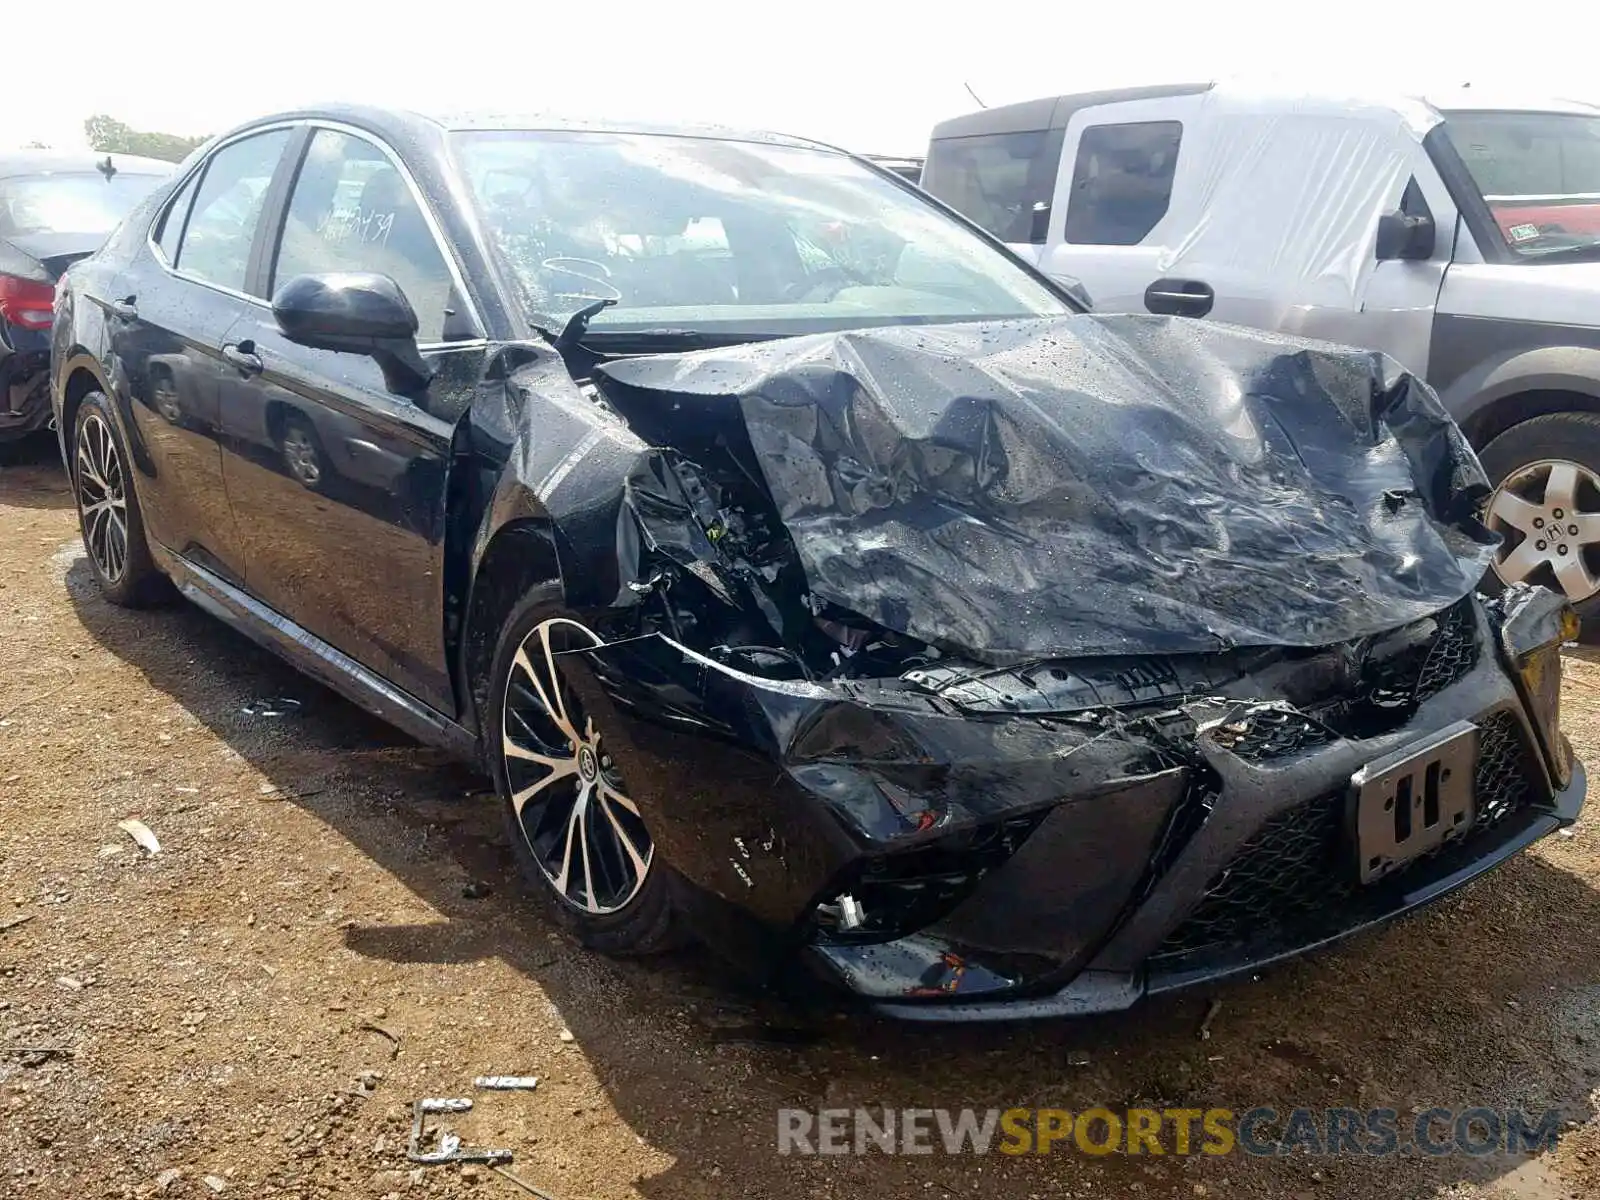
1095, 485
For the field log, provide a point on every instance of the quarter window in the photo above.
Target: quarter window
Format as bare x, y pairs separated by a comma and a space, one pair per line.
352, 210
1122, 182
172, 223
227, 206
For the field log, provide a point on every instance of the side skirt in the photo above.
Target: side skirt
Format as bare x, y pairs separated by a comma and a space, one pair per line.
309, 653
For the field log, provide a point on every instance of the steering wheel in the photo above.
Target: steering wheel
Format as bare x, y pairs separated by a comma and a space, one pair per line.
833, 279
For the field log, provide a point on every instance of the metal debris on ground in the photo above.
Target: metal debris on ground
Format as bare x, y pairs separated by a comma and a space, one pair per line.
140, 833
11, 923
507, 1174
271, 706
448, 1147
506, 1083
1205, 1022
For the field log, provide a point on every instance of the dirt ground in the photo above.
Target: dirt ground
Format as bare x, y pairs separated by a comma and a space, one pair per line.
261, 1001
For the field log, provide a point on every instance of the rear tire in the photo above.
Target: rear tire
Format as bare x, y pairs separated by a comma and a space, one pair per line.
108, 511
578, 838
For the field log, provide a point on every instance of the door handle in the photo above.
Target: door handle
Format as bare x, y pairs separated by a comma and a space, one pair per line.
1179, 297
243, 358
124, 308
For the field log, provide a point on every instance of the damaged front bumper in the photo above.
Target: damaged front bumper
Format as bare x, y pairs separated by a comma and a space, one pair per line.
964, 850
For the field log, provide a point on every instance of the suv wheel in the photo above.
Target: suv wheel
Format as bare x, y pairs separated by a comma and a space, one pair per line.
577, 834
108, 511
1546, 505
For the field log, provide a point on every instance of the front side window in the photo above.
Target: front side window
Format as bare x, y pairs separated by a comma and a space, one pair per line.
1540, 175
1122, 182
723, 236
1000, 181
352, 210
70, 201
227, 207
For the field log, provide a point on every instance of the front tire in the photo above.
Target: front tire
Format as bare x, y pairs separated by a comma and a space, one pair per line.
577, 835
1546, 506
108, 511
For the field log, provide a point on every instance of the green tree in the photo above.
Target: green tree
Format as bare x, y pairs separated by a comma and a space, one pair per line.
113, 136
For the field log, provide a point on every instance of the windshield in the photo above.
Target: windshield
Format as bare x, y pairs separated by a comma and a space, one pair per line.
1539, 173
70, 202
718, 236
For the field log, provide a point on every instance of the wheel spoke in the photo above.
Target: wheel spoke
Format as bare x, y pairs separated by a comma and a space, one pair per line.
1561, 486
520, 798
640, 866
549, 697
617, 797
566, 848
1520, 563
1515, 511
87, 471
558, 713
1588, 528
583, 841
1575, 578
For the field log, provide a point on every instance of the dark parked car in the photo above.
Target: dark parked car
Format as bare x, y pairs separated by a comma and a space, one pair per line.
807, 571
55, 208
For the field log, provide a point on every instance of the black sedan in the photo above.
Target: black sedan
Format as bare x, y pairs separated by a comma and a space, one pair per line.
810, 574
55, 208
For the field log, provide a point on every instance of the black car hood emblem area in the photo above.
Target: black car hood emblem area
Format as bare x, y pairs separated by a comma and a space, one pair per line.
1089, 485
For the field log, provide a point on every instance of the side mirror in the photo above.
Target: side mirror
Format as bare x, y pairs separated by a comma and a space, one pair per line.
356, 312
1404, 237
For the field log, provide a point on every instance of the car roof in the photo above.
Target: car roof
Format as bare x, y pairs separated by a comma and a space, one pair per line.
405, 124
44, 162
1053, 112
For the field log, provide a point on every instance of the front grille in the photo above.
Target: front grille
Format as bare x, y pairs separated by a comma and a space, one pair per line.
1292, 882
1453, 652
1389, 689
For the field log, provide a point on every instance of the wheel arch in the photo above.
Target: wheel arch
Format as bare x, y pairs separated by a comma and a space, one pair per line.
80, 375
517, 558
1508, 389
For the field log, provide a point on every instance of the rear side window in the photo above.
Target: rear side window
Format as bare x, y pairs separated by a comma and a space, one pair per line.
227, 207
172, 223
1122, 182
1000, 181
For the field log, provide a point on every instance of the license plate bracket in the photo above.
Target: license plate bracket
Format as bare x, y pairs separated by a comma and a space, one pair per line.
1413, 800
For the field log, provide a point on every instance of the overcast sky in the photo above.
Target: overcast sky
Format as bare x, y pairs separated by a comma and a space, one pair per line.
872, 76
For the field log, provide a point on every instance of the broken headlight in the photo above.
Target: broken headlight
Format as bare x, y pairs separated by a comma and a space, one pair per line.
1534, 624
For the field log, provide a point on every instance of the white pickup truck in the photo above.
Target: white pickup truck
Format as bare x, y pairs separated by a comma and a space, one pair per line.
1459, 234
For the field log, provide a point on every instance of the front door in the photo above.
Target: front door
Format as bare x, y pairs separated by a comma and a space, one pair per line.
170, 314
338, 477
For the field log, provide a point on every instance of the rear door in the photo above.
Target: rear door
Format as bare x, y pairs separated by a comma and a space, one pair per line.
170, 313
339, 478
